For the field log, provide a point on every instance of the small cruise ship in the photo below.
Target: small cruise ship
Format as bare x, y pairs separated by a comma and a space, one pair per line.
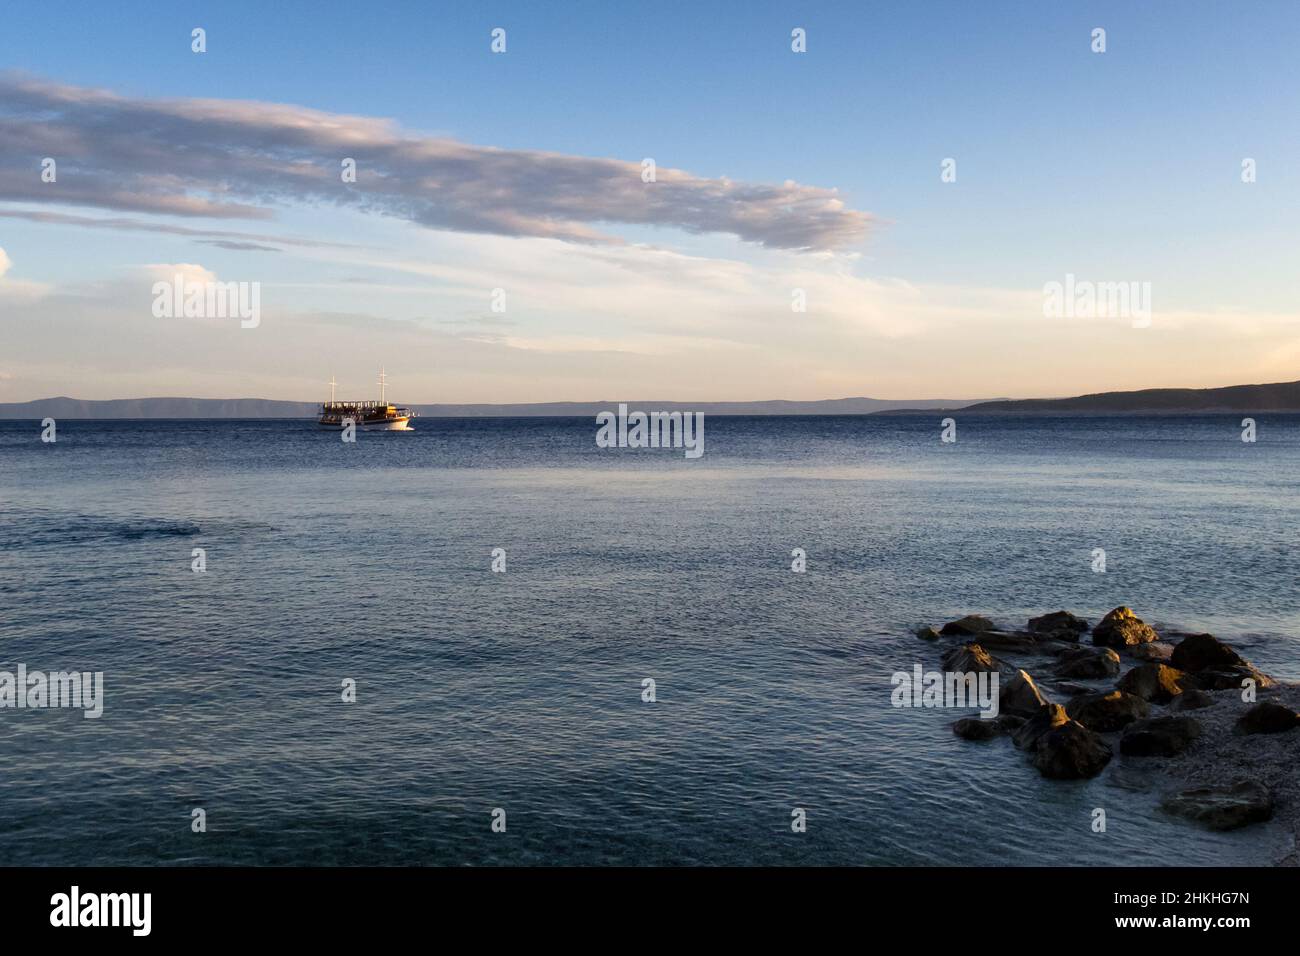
367, 416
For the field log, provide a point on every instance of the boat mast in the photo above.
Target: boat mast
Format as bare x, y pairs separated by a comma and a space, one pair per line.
383, 384
332, 384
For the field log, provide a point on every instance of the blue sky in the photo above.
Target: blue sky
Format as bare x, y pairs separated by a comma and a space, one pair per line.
1116, 166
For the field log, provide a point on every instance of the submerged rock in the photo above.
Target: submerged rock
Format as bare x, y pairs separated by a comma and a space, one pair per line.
1105, 713
927, 634
1071, 752
972, 658
1061, 625
1159, 736
1015, 642
1021, 696
969, 625
1223, 808
1157, 683
1266, 717
977, 728
1122, 628
1087, 662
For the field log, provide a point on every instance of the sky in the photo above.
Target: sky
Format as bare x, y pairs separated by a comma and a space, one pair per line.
500, 243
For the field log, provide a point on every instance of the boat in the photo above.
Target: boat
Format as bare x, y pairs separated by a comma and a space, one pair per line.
380, 416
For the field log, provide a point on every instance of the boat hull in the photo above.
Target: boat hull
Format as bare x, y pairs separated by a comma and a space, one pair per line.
400, 424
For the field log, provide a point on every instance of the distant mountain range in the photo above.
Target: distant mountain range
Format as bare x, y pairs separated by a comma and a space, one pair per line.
1281, 397
73, 408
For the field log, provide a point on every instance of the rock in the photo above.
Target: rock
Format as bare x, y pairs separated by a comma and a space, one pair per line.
977, 728
1159, 736
1072, 689
1087, 662
1216, 665
1048, 717
1071, 752
1266, 717
1157, 651
1010, 723
1061, 625
968, 625
927, 633
1198, 652
1223, 808
1191, 699
972, 658
1104, 713
1157, 683
1122, 628
1020, 695
1015, 642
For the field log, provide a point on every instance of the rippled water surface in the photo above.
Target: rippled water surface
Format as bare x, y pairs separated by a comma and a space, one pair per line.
522, 690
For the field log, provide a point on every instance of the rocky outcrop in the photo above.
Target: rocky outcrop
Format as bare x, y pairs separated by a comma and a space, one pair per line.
1106, 713
1071, 752
1087, 663
1122, 628
1216, 665
967, 626
972, 658
1021, 696
927, 634
1267, 717
1223, 808
1060, 625
1159, 736
1157, 683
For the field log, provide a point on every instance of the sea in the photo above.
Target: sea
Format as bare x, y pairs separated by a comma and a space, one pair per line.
645, 679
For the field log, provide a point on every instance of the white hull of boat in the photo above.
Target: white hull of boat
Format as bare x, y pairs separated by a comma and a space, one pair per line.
392, 425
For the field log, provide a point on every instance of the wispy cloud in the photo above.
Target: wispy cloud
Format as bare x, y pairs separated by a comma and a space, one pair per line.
238, 159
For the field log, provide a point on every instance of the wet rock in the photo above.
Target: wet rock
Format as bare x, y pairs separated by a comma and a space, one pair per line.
1105, 713
927, 634
1234, 679
969, 625
1087, 663
1020, 696
976, 728
1010, 723
1048, 717
1267, 717
1157, 651
1159, 736
1198, 652
1072, 689
1061, 625
1191, 699
1071, 752
1122, 628
1223, 808
1017, 642
1157, 683
972, 658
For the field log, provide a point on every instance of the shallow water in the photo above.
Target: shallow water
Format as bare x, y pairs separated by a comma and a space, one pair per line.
523, 690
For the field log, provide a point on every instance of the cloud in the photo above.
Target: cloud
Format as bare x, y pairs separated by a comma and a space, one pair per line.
5, 263
237, 159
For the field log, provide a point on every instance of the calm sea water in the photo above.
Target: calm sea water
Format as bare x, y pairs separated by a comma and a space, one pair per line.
522, 690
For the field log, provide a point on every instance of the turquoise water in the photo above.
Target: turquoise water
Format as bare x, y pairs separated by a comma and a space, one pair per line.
523, 690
